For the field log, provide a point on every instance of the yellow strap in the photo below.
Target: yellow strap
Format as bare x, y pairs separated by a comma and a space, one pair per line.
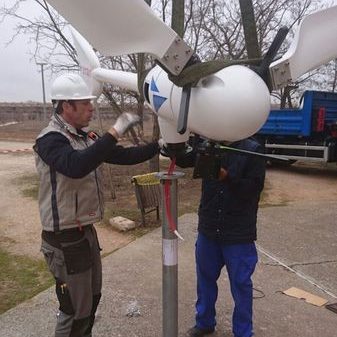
146, 179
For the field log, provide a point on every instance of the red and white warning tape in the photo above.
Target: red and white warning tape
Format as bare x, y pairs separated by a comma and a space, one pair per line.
5, 151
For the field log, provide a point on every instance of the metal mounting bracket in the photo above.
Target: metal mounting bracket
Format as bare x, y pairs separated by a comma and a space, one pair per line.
281, 75
176, 56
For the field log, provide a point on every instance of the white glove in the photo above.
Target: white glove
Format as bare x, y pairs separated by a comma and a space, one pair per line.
161, 143
125, 121
163, 147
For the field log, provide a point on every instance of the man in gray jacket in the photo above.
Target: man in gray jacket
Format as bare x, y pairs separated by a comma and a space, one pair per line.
68, 161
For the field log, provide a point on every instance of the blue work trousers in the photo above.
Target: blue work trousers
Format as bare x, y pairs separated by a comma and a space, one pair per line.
240, 261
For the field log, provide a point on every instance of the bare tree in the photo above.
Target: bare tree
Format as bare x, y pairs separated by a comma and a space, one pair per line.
215, 30
46, 32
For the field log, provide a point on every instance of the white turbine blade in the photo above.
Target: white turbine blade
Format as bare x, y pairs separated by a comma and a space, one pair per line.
120, 78
88, 61
85, 54
120, 27
315, 44
91, 70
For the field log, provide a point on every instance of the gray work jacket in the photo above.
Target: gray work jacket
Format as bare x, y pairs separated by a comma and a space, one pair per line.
66, 202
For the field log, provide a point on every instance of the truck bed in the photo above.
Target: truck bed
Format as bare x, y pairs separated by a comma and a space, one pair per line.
302, 122
307, 133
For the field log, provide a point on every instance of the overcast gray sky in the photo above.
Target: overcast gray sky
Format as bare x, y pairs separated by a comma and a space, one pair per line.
20, 77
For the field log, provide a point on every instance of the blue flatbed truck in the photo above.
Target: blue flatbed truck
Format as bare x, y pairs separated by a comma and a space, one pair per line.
308, 133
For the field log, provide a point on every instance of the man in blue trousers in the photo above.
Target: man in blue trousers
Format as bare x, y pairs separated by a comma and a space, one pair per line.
226, 235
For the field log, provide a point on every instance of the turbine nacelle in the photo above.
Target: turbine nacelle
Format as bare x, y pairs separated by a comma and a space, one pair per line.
214, 111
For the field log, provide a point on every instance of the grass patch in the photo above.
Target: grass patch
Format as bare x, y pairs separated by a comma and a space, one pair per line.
21, 278
29, 185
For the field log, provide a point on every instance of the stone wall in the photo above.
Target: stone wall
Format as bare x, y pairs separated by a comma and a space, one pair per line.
20, 112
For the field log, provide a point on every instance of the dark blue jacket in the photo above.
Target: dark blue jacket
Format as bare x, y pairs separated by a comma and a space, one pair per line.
228, 208
56, 151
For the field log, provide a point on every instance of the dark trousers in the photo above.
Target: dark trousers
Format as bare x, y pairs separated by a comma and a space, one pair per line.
240, 261
77, 269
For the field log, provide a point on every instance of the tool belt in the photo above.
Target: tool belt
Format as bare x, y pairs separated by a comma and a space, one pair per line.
55, 239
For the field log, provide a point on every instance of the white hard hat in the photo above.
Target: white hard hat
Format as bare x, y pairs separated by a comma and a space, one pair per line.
70, 87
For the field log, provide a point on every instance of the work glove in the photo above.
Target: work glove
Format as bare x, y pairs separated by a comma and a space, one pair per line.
125, 121
163, 150
161, 143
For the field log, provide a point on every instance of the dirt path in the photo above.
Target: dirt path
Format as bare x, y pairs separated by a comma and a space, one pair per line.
301, 183
19, 216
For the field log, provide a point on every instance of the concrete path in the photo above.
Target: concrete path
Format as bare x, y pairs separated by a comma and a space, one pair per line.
292, 235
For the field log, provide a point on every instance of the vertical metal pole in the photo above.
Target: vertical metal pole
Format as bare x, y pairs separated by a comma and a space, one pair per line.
170, 256
43, 91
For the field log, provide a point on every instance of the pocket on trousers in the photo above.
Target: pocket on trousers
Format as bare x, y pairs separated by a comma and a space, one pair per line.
54, 260
77, 257
63, 297
49, 256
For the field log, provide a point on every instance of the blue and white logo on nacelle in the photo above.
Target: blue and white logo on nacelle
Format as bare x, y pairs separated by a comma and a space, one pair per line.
158, 100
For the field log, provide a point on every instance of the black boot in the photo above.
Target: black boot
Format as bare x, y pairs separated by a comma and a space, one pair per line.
198, 332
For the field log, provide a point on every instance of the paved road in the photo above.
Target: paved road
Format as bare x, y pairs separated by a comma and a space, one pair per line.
132, 277
304, 237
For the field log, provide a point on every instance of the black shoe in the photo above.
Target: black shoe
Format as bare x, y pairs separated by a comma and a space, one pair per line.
197, 332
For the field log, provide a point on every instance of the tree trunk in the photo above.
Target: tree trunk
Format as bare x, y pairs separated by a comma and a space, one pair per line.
178, 15
154, 162
140, 100
333, 89
249, 28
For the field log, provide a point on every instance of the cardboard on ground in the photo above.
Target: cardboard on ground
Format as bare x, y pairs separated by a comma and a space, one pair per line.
309, 298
